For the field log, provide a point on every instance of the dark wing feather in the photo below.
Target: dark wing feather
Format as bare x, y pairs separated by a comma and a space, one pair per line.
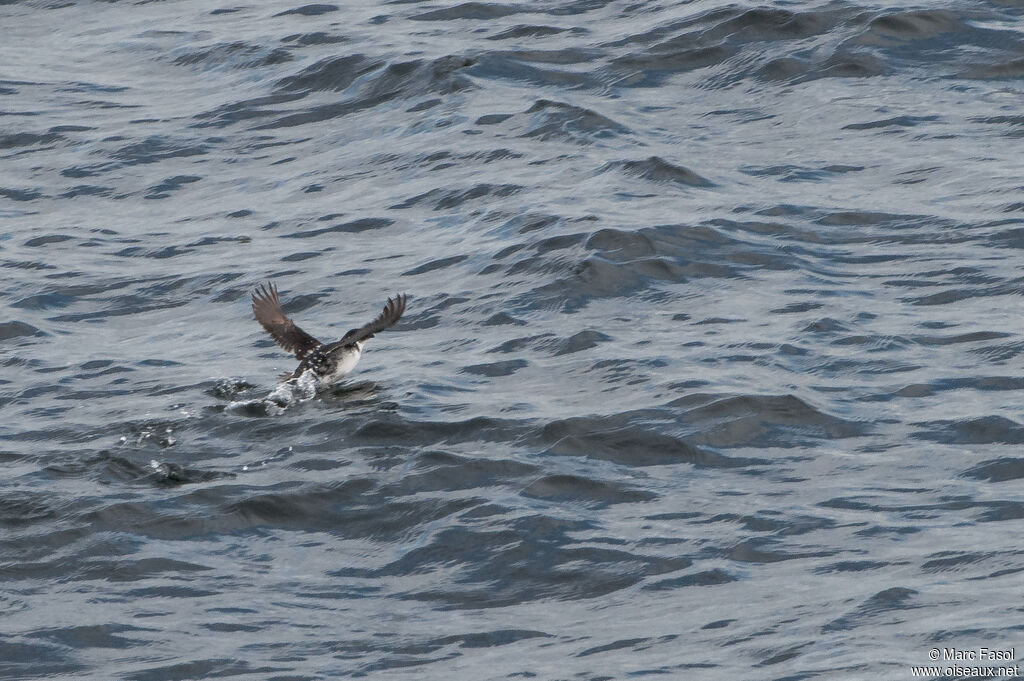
393, 310
266, 307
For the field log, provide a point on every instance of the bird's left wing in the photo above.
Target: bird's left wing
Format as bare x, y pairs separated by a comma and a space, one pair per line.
393, 310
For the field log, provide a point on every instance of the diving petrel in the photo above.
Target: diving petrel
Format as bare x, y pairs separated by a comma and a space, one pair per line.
328, 361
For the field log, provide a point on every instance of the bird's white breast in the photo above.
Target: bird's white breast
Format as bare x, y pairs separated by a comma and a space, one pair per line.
346, 363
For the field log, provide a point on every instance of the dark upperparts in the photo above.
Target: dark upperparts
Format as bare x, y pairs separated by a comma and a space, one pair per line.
266, 307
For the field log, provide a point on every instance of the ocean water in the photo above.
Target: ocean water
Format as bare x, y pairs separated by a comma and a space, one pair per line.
711, 368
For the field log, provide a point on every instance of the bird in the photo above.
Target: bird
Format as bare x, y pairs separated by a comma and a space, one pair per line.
329, 362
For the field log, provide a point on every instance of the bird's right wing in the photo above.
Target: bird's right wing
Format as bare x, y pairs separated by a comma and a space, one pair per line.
266, 307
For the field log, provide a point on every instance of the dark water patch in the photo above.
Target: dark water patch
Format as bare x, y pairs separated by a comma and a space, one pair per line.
796, 308
746, 229
556, 57
350, 227
236, 55
200, 668
626, 263
911, 511
911, 37
636, 645
153, 149
20, 194
717, 320
529, 222
897, 122
740, 38
584, 340
952, 561
851, 218
840, 64
87, 190
615, 372
16, 329
1011, 238
781, 526
27, 509
425, 106
441, 199
685, 244
651, 68
108, 467
171, 184
851, 566
615, 439
98, 636
540, 68
872, 342
1015, 123
763, 552
330, 74
503, 319
532, 31
770, 24
576, 489
1013, 68
750, 420
545, 564
1001, 511
658, 169
313, 10
997, 470
401, 80
315, 38
479, 11
525, 343
495, 369
955, 295
825, 325
542, 247
492, 119
551, 120
135, 569
384, 429
247, 109
958, 338
913, 390
981, 430
27, 139
445, 471
713, 577
890, 604
913, 25
999, 353
26, 660
435, 265
792, 173
982, 383
37, 241
238, 509
299, 257
490, 639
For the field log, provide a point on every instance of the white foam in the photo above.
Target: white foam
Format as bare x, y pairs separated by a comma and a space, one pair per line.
286, 394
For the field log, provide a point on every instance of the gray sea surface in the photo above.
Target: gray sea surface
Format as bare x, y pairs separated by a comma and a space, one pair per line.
712, 366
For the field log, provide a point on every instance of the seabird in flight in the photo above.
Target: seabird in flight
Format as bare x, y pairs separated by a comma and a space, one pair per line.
328, 361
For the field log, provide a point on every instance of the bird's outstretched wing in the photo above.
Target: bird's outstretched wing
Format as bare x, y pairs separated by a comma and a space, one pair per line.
393, 310
266, 307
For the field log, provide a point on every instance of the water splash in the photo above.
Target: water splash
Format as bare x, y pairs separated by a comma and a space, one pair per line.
288, 393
